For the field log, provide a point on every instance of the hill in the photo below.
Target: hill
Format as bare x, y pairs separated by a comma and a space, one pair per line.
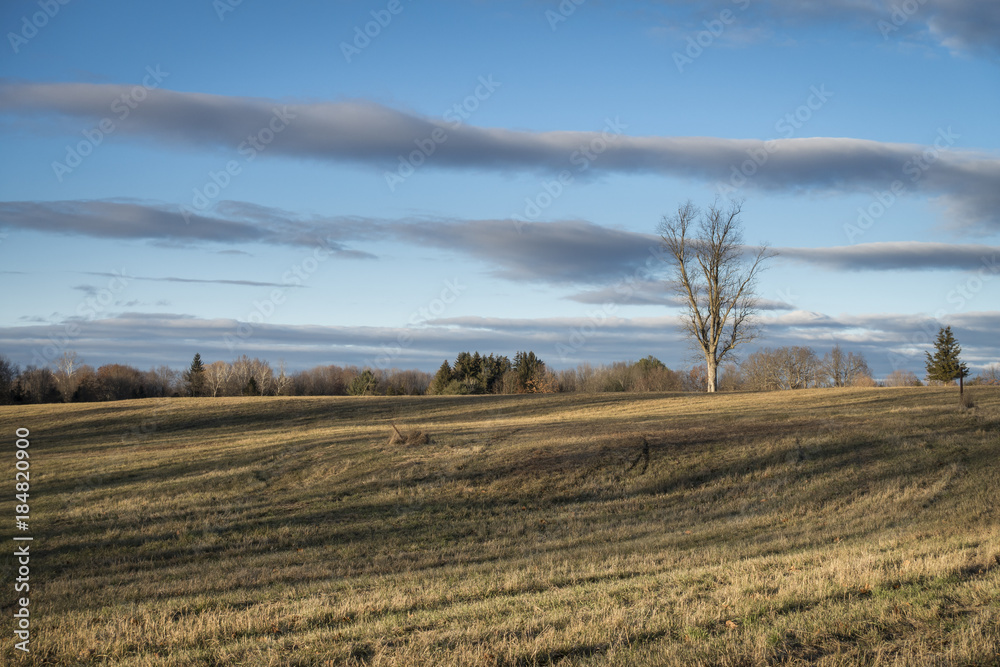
831, 526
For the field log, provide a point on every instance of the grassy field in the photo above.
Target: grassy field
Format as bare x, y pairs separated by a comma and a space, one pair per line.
836, 527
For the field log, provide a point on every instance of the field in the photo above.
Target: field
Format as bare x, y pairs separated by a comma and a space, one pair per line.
836, 527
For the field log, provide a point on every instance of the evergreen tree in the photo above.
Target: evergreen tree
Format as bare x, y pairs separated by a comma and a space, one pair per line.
441, 380
945, 365
466, 367
195, 376
648, 365
530, 371
492, 371
364, 384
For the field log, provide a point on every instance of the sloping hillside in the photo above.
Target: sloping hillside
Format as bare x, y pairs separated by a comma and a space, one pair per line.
831, 526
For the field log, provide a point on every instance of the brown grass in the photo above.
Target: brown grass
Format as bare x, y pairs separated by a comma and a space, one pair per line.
835, 527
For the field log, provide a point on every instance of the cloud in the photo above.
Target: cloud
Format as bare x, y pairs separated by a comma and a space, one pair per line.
624, 267
568, 251
887, 340
650, 293
900, 255
364, 132
172, 279
631, 293
231, 223
970, 26
967, 25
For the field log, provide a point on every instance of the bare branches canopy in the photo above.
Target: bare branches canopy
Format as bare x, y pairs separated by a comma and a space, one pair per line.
716, 276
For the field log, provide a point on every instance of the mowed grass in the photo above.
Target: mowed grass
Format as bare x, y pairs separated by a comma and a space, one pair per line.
834, 527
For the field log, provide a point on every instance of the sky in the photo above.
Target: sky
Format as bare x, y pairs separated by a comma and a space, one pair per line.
387, 183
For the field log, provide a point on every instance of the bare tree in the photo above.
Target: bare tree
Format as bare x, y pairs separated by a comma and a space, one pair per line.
239, 376
796, 367
262, 375
163, 381
216, 376
65, 375
782, 368
901, 378
843, 370
990, 375
284, 381
715, 276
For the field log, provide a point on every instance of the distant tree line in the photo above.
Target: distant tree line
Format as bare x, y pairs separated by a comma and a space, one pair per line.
72, 381
482, 374
767, 369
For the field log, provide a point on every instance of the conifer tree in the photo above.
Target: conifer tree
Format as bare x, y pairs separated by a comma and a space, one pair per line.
945, 365
195, 376
442, 379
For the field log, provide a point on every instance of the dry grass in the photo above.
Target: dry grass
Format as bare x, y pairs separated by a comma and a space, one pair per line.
835, 527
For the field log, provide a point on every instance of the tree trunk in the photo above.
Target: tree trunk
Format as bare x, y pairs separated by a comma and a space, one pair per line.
712, 374
961, 387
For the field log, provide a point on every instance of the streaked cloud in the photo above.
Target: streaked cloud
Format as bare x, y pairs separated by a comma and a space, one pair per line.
899, 255
568, 251
968, 183
205, 281
562, 252
144, 339
967, 26
229, 223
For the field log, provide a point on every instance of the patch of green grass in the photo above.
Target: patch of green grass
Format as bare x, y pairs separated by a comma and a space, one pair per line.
821, 526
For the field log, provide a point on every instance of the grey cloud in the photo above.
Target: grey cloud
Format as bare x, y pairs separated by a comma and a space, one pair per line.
901, 255
650, 293
566, 252
144, 339
132, 220
212, 281
889, 341
571, 251
626, 264
971, 26
360, 131
122, 220
638, 293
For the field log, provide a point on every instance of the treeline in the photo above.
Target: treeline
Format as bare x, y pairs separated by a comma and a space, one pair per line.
767, 369
71, 381
480, 374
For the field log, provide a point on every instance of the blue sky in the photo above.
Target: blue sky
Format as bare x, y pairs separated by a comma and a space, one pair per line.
546, 141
